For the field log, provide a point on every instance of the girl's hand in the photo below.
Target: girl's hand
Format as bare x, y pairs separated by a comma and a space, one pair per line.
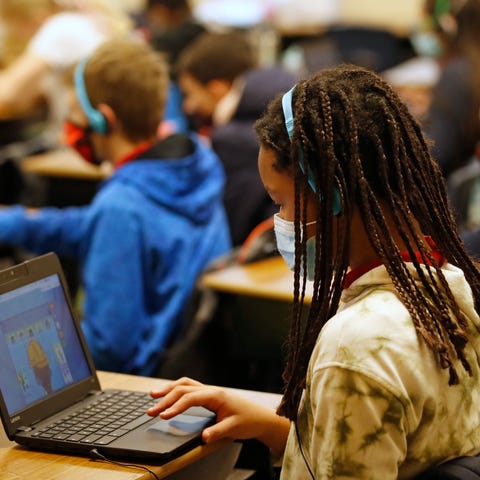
237, 417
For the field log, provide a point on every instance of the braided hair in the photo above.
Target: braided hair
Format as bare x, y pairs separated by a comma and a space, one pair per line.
356, 135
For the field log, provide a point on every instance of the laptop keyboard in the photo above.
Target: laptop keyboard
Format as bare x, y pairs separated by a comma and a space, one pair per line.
112, 415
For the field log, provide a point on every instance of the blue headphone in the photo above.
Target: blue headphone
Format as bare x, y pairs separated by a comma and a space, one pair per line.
96, 118
289, 124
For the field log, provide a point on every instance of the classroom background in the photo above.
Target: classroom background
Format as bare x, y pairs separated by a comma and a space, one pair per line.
234, 330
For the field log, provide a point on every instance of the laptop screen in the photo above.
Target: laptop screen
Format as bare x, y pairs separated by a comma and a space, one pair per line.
40, 352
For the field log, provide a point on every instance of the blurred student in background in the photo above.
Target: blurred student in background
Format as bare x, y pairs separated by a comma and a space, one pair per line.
169, 26
452, 35
153, 225
224, 93
453, 121
42, 39
53, 35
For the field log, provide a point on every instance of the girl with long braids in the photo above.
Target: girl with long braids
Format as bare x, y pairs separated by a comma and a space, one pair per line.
382, 375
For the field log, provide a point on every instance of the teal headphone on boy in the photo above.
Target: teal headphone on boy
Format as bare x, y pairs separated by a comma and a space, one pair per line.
289, 124
96, 119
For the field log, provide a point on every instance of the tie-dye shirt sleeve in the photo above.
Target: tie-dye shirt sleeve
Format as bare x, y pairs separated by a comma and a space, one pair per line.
358, 428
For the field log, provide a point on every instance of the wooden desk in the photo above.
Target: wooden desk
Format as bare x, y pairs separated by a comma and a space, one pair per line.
67, 179
270, 279
17, 463
65, 163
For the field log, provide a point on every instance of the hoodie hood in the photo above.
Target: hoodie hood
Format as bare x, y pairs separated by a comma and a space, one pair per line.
180, 173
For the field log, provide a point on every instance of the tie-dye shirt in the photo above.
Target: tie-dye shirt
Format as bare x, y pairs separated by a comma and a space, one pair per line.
377, 405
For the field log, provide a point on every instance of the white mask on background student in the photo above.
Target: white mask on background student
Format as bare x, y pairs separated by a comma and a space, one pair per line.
285, 236
426, 44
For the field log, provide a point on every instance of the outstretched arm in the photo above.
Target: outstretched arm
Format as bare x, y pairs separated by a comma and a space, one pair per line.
21, 85
237, 417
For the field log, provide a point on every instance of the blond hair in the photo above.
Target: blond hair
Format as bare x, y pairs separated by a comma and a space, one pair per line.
131, 78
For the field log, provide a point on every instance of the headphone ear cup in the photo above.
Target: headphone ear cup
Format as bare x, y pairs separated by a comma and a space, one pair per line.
337, 201
98, 122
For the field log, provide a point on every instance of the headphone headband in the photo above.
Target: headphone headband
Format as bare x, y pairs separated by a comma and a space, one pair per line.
95, 118
287, 100
288, 112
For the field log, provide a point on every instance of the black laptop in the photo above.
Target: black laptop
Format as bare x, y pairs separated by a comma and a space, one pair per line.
50, 396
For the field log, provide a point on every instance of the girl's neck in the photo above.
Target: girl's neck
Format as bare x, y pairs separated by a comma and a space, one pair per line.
361, 251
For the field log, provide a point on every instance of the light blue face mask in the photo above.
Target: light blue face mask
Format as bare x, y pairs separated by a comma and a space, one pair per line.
285, 236
426, 44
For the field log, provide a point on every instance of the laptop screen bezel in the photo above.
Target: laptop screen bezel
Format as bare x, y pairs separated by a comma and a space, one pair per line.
21, 275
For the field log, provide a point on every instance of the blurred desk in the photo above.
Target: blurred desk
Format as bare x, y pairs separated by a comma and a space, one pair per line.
17, 463
270, 279
65, 163
67, 178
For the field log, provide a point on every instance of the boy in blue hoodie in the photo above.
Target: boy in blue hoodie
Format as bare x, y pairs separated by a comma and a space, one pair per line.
152, 226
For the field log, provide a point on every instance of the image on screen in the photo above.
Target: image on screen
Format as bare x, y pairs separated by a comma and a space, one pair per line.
40, 352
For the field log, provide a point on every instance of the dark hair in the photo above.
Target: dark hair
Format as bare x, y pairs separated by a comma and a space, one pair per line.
354, 132
217, 55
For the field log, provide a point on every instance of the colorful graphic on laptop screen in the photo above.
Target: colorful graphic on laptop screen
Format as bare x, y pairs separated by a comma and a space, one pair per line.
40, 352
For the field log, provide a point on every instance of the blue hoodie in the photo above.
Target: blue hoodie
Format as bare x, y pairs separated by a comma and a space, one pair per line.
142, 242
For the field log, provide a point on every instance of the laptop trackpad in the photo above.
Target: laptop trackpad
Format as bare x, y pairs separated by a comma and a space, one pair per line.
181, 425
164, 436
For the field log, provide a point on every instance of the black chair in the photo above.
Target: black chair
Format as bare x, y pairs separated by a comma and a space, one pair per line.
461, 468
199, 345
373, 48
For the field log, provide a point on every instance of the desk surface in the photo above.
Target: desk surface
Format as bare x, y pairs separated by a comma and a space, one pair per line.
269, 278
65, 163
17, 463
